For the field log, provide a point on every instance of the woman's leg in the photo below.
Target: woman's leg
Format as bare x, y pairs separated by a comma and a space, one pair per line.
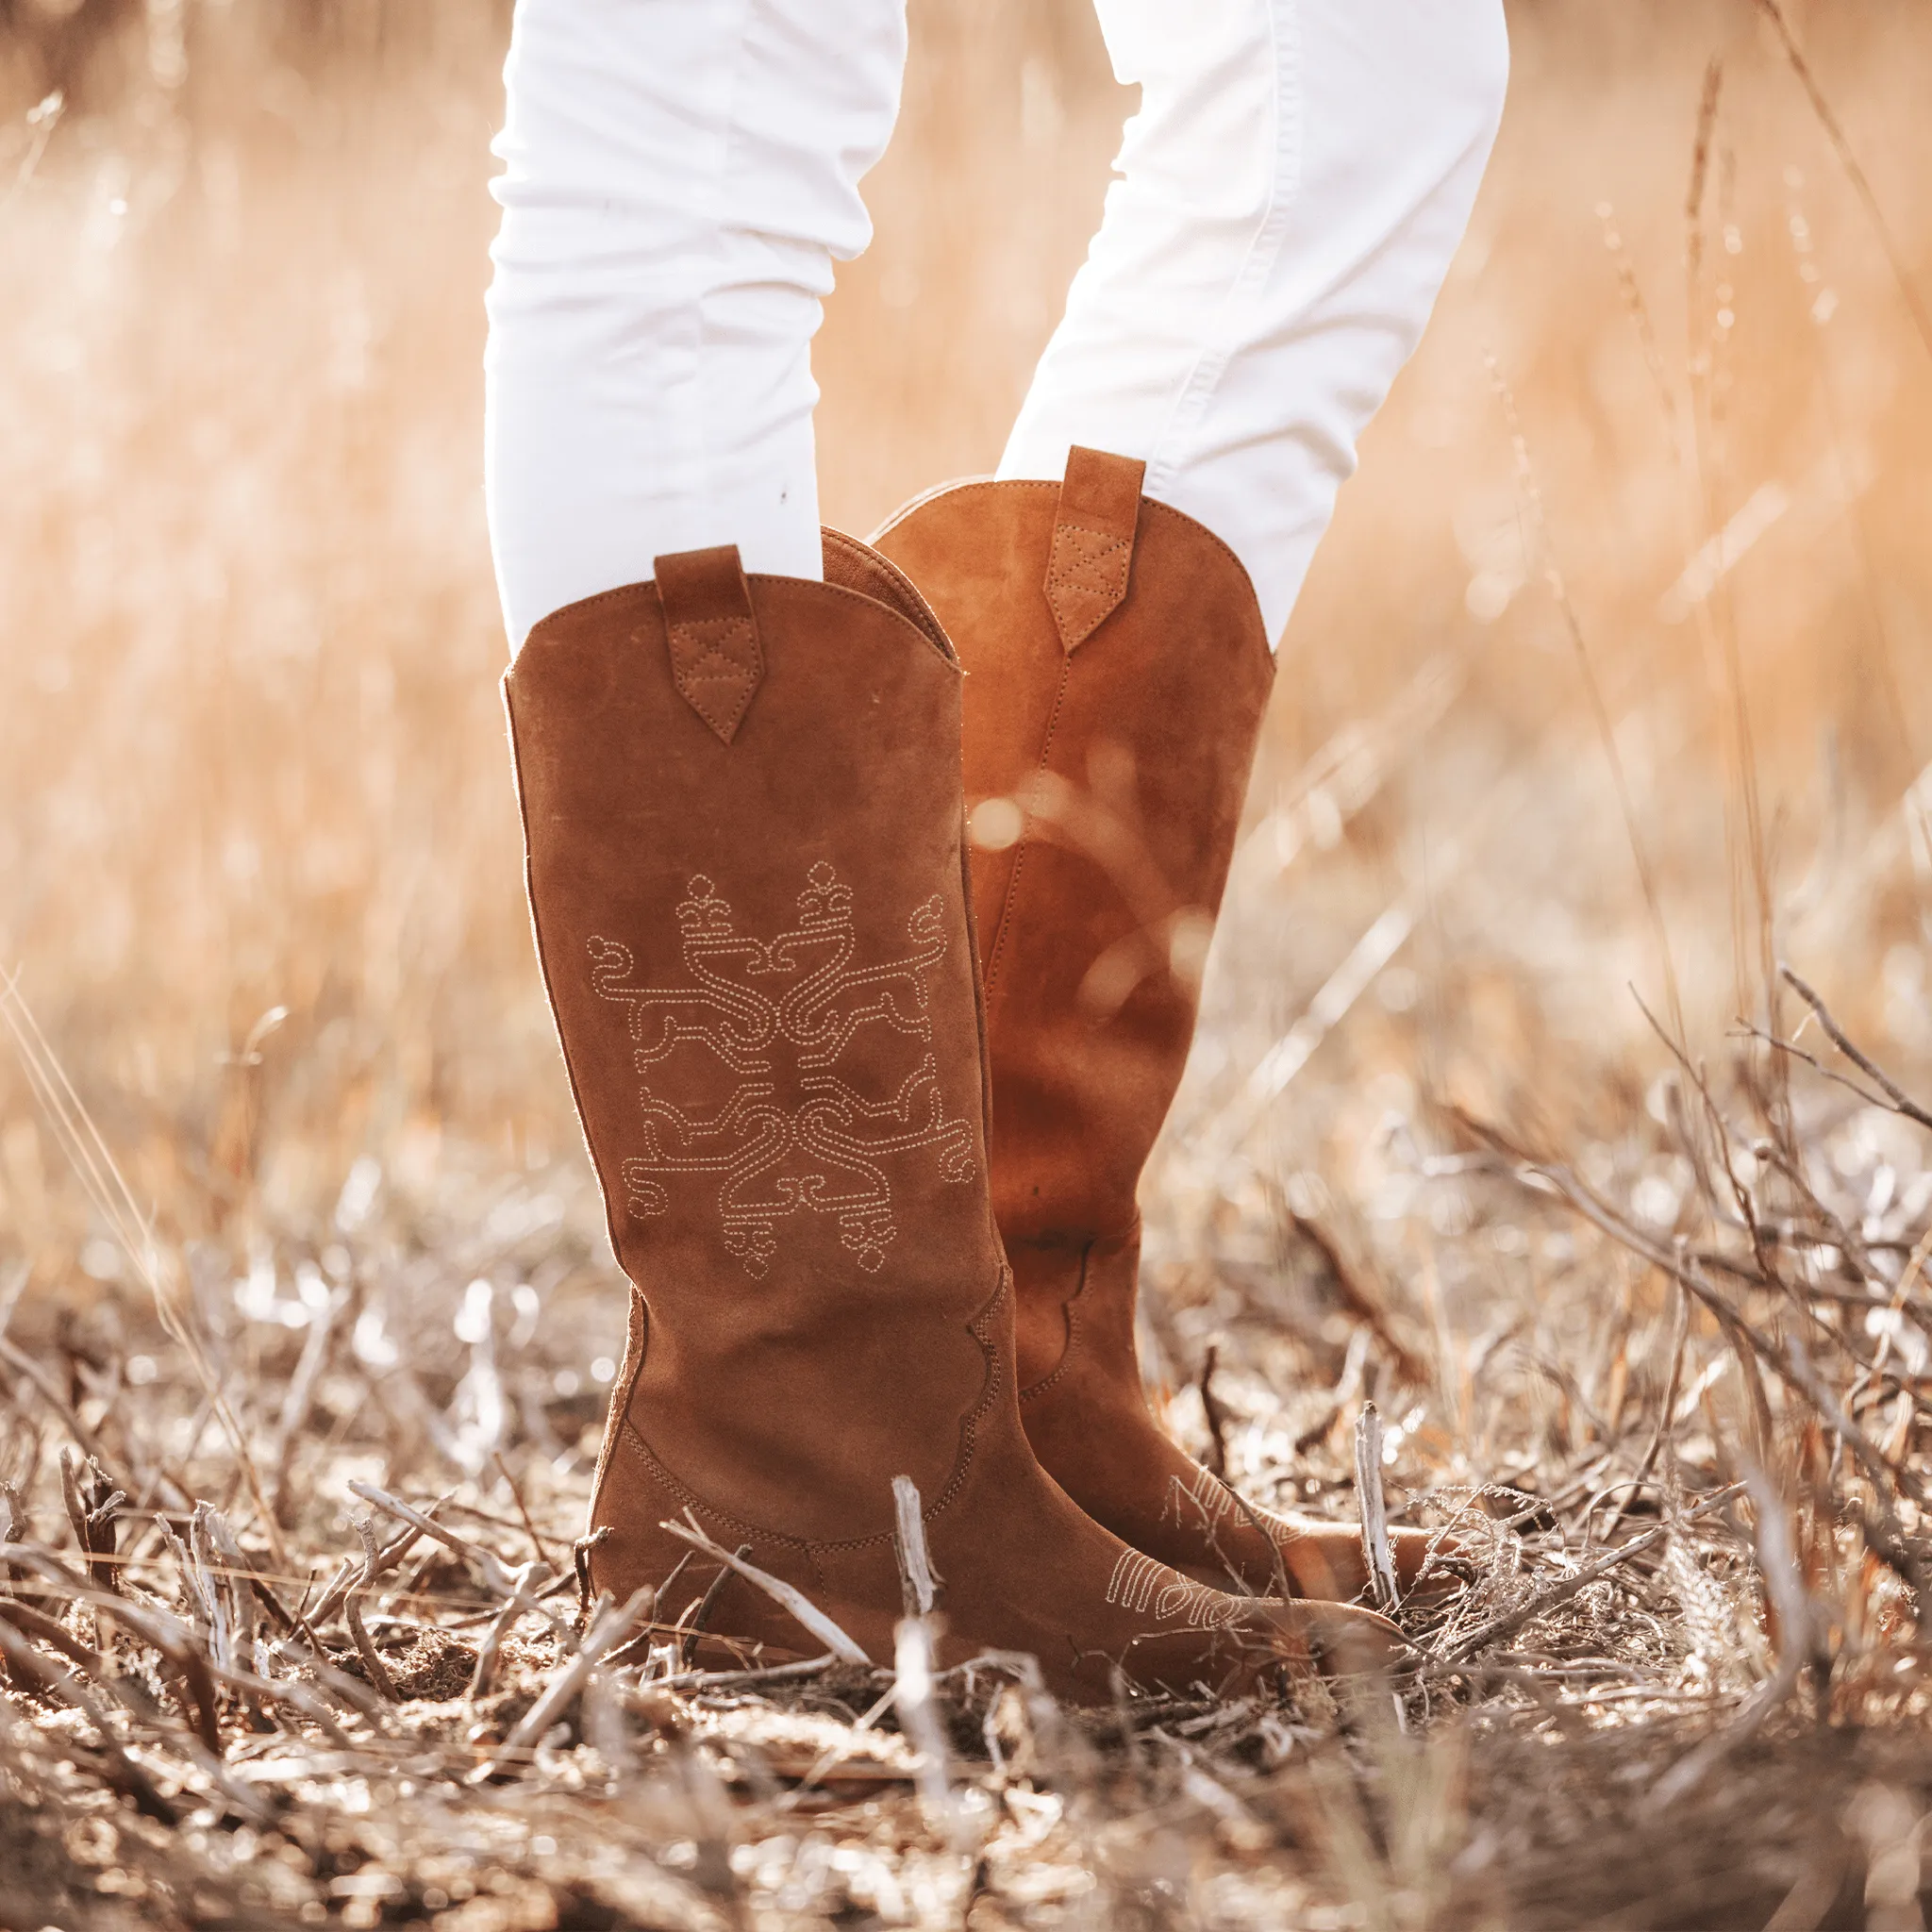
1290, 194
681, 177
1288, 200
744, 825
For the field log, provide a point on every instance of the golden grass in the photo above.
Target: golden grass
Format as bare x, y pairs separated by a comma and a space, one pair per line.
1609, 686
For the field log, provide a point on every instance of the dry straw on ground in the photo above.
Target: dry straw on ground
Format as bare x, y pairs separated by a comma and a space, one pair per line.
1607, 695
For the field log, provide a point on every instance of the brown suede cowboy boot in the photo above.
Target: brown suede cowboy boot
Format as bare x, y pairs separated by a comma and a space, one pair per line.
1117, 674
747, 870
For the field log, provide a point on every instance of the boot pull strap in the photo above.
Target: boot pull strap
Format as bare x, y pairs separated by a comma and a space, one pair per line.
716, 660
1093, 542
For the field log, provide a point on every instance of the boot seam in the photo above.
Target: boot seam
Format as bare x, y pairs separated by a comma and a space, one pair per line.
542, 948
1069, 1307
997, 956
808, 1546
619, 1414
926, 621
632, 590
1067, 1310
968, 484
684, 1493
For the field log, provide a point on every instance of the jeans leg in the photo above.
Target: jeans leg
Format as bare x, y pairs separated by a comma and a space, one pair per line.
1286, 206
679, 177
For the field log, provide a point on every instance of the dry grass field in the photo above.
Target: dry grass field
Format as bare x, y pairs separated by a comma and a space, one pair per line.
1608, 701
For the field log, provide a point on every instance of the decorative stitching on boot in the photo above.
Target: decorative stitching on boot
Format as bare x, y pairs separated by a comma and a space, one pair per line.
1143, 1584
772, 1050
717, 665
688, 1498
985, 1329
1086, 580
1210, 1496
1069, 1313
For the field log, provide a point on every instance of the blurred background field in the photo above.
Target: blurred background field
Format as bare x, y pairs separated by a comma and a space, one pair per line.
1609, 688
253, 755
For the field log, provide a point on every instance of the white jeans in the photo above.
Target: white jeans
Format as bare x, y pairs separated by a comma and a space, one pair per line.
682, 173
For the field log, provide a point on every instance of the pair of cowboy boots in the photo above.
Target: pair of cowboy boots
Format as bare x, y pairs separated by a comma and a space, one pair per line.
867, 1118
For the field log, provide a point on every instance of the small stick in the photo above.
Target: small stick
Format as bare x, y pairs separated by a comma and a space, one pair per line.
610, 1628
92, 1504
917, 1584
1902, 1102
1216, 1415
1284, 1584
294, 1694
912, 1658
492, 1637
781, 1593
741, 1680
44, 1629
677, 1570
1665, 1421
48, 1390
516, 1496
1512, 1621
701, 1616
366, 1650
337, 1589
1861, 186
580, 1565
912, 1693
125, 1774
651, 1628
352, 1615
1374, 1509
495, 1577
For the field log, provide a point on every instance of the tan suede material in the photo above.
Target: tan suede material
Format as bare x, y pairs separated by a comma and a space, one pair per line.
1092, 560
716, 662
1128, 758
758, 946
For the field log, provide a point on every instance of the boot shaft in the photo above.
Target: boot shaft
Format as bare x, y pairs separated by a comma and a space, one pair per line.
1117, 676
742, 804
742, 809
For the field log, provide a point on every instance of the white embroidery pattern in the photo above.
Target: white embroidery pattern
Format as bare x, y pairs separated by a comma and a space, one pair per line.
1203, 1500
1139, 1583
760, 1011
